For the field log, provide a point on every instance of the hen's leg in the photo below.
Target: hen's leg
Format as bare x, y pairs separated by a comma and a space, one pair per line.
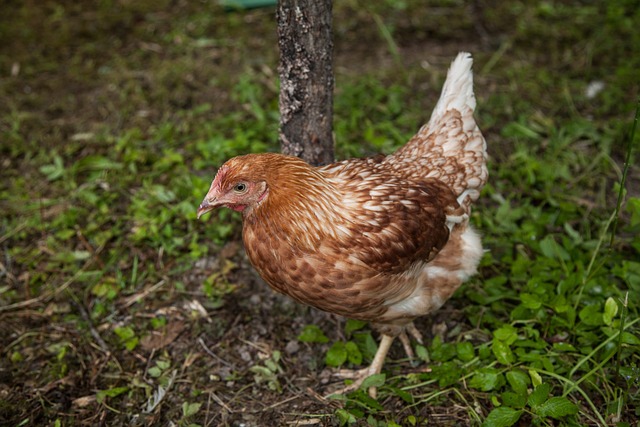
378, 360
411, 328
374, 368
404, 339
413, 331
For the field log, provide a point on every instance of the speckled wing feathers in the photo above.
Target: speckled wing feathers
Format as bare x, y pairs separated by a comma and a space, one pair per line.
384, 209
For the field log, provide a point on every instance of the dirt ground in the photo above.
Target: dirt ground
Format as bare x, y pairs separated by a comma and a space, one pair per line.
210, 350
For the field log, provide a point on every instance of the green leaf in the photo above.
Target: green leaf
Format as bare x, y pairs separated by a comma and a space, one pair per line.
163, 194
563, 346
262, 371
364, 399
530, 301
447, 373
312, 333
55, 170
485, 379
375, 380
271, 365
354, 325
95, 162
518, 130
536, 379
591, 315
189, 409
484, 352
423, 353
105, 289
551, 249
556, 407
404, 395
71, 256
518, 380
132, 343
629, 338
502, 352
411, 420
506, 333
345, 417
560, 304
127, 336
337, 354
514, 400
154, 371
610, 311
441, 351
163, 364
465, 351
502, 417
366, 344
539, 395
354, 355
633, 206
124, 332
112, 392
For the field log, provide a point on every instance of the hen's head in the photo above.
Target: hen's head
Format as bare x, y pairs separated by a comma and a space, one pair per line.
237, 186
245, 183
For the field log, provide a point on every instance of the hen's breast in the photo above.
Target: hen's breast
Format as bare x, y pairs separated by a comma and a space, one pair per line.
328, 278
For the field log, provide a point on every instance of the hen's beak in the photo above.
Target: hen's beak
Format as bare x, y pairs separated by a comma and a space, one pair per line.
207, 206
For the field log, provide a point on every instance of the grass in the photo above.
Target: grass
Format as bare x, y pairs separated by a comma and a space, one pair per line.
118, 307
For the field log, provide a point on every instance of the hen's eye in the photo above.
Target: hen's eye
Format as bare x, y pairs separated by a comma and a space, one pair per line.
240, 187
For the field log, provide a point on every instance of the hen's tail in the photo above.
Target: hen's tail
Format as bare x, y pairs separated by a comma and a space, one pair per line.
450, 147
457, 92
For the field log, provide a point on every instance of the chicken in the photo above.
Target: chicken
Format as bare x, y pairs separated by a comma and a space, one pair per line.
381, 239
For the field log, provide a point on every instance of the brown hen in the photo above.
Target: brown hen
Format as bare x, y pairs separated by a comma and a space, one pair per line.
382, 239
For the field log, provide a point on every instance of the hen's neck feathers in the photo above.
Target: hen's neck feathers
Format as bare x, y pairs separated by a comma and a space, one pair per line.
301, 204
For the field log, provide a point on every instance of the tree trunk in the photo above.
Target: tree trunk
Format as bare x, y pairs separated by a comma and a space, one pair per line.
306, 79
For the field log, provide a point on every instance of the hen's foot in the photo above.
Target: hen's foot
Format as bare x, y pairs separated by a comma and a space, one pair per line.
362, 374
351, 374
358, 377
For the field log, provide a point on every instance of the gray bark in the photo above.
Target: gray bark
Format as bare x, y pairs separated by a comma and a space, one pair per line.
306, 79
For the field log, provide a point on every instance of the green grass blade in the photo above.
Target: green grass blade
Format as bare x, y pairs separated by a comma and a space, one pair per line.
625, 171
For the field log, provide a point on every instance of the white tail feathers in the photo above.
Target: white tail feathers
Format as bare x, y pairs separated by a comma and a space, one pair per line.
457, 92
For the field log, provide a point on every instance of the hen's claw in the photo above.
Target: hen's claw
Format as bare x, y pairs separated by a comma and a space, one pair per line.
375, 368
404, 339
415, 333
358, 377
351, 374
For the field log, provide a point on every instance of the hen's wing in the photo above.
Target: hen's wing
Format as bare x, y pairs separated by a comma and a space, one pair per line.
450, 147
392, 221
